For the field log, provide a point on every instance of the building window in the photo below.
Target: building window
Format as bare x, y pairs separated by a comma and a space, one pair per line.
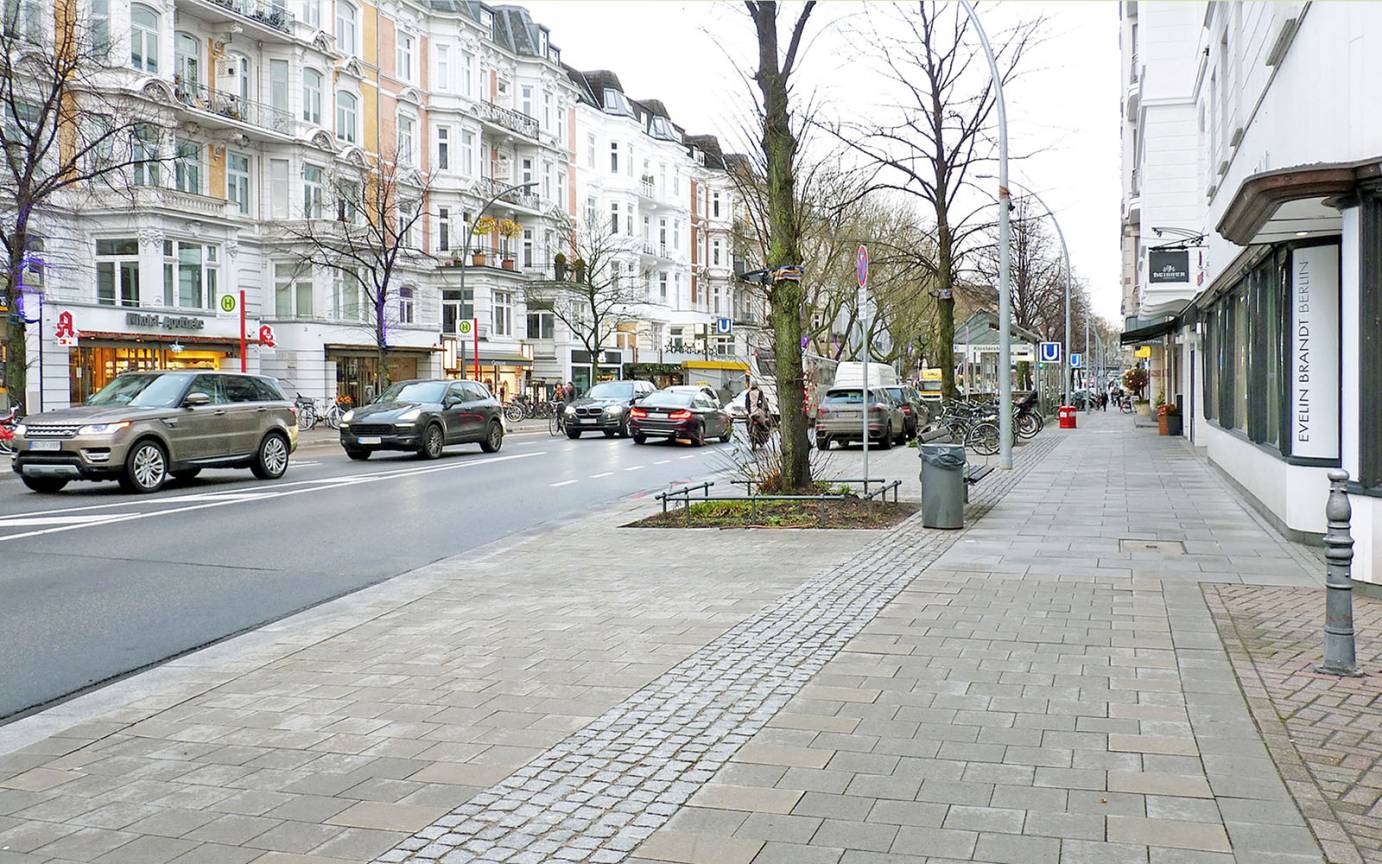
662, 286
312, 96
292, 290
715, 252
541, 325
547, 110
187, 167
311, 192
403, 57
347, 300
527, 248
614, 217
443, 81
456, 307
347, 194
468, 73
347, 107
187, 62
190, 273
407, 138
468, 152
117, 272
238, 181
278, 92
614, 157
407, 216
590, 214
144, 38
278, 188
312, 13
443, 229
526, 94
590, 151
405, 304
144, 156
503, 313
100, 29
715, 204
346, 28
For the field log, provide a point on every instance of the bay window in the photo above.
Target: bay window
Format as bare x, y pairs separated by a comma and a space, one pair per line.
238, 181
117, 272
187, 167
312, 96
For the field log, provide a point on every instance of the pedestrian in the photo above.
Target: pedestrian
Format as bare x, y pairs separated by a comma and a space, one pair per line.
503, 392
570, 392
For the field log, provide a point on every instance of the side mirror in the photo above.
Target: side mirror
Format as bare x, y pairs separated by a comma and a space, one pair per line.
193, 400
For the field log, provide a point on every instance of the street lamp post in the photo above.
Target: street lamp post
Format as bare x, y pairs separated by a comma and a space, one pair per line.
470, 235
1005, 378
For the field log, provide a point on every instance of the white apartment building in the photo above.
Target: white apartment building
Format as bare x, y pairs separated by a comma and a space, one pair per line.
1275, 357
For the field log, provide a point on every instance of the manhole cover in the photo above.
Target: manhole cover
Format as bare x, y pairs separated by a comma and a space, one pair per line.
1164, 548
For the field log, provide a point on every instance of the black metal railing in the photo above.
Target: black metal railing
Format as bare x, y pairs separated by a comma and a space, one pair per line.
266, 13
488, 186
232, 106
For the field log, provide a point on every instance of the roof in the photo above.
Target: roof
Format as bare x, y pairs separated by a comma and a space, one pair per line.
584, 91
600, 79
514, 28
981, 328
655, 107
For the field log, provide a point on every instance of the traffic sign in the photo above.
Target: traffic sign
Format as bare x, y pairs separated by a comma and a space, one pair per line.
228, 304
724, 326
1076, 360
1049, 352
464, 326
861, 266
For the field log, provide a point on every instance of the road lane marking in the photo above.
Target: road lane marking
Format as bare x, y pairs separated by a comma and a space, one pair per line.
36, 521
662, 462
598, 476
635, 467
688, 456
564, 483
235, 498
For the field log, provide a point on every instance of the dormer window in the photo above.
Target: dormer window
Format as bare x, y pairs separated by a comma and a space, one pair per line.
554, 55
662, 128
541, 42
616, 103
487, 21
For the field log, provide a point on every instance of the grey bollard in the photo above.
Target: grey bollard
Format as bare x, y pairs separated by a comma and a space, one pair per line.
1340, 657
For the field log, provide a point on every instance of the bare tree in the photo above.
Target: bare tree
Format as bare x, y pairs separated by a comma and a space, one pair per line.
366, 233
939, 136
593, 293
779, 143
64, 132
1036, 274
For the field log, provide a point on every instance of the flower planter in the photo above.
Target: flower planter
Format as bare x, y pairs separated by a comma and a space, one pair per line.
507, 263
1161, 425
1174, 425
478, 259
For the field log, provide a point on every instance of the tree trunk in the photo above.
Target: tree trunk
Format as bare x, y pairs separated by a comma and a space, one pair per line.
381, 346
15, 344
945, 306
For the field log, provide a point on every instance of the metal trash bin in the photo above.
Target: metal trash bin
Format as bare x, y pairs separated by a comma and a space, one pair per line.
942, 485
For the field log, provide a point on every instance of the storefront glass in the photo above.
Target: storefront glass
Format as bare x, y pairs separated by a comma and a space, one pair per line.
91, 367
355, 373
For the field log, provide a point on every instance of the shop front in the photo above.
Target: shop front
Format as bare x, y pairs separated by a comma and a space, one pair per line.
357, 369
584, 374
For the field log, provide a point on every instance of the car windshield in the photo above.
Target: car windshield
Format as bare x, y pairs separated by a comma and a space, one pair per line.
849, 397
896, 393
415, 391
141, 391
667, 399
612, 390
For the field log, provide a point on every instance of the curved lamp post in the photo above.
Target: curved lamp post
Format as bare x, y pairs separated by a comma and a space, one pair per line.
470, 235
1005, 377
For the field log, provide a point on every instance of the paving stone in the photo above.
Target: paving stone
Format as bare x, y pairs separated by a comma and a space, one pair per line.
1017, 849
935, 842
730, 797
841, 834
698, 848
1167, 832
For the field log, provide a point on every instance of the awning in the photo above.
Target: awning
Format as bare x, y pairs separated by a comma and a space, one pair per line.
371, 350
163, 338
1148, 332
498, 358
732, 365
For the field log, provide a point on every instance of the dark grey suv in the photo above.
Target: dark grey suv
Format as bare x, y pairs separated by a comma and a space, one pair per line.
424, 416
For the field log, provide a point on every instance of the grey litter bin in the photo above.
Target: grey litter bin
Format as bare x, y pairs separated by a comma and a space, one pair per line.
942, 485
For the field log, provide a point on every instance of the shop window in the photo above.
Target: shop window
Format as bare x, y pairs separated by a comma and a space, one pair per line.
1240, 359
190, 274
117, 272
292, 290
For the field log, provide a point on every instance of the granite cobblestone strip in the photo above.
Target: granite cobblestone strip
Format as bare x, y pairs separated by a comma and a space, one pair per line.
601, 792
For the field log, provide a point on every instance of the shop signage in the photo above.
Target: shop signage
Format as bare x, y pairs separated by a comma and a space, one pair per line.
1315, 352
1143, 352
166, 322
66, 331
1168, 265
266, 336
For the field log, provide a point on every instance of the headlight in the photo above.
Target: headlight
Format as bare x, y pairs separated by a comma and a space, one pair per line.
614, 410
410, 414
103, 428
345, 418
571, 409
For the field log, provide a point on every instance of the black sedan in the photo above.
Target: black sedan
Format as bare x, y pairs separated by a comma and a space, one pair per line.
605, 408
673, 414
424, 416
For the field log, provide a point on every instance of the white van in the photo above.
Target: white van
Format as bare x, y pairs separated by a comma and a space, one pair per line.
851, 374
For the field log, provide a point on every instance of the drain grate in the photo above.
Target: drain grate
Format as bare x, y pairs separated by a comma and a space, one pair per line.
1164, 548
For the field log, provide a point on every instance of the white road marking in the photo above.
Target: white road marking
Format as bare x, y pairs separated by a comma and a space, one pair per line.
688, 456
635, 467
235, 498
598, 476
564, 483
662, 462
35, 521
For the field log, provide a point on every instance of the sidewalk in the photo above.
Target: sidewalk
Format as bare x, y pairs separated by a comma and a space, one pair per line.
1049, 685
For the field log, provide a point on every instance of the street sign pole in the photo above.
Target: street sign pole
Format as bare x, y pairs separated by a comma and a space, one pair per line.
243, 366
861, 269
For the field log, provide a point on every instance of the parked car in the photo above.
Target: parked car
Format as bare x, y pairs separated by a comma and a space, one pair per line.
838, 418
675, 413
851, 374
915, 414
424, 416
736, 408
145, 427
605, 408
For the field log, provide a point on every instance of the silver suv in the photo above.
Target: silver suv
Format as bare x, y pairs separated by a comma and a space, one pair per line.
145, 427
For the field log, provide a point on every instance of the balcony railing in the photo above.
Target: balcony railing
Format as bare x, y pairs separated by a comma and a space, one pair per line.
228, 105
648, 188
515, 121
268, 14
658, 249
488, 186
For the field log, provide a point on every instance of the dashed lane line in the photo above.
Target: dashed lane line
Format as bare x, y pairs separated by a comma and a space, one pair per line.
598, 476
564, 483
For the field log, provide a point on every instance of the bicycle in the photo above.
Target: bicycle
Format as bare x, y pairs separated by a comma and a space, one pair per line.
7, 424
307, 412
515, 412
330, 413
556, 421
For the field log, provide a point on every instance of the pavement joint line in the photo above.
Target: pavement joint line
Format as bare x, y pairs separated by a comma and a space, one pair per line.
266, 495
600, 792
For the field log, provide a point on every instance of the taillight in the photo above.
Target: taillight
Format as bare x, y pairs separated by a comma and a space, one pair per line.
878, 409
822, 411
639, 413
679, 415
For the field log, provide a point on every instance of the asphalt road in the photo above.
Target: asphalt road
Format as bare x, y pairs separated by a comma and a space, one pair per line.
97, 583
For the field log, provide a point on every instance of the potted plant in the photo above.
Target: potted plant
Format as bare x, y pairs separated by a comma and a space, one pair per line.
508, 229
1168, 420
559, 265
578, 266
484, 226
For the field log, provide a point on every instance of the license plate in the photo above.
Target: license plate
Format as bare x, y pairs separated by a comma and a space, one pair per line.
45, 445
589, 420
369, 439
661, 415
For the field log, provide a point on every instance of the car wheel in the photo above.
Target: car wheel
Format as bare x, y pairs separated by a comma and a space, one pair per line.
822, 441
432, 442
573, 434
146, 468
624, 429
640, 438
357, 455
185, 473
494, 439
887, 440
271, 459
698, 435
46, 485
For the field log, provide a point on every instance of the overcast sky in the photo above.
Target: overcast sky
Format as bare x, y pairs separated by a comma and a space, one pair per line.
1067, 107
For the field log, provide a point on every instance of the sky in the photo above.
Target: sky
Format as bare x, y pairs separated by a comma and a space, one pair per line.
1064, 113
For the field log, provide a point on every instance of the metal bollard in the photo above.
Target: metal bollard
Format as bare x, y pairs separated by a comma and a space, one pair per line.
1340, 657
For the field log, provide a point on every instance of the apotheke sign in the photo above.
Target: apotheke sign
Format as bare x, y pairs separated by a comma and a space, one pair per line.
165, 322
1315, 352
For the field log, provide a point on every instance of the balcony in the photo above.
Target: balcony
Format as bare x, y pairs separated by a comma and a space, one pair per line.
647, 188
488, 186
655, 250
513, 121
267, 15
200, 98
172, 200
